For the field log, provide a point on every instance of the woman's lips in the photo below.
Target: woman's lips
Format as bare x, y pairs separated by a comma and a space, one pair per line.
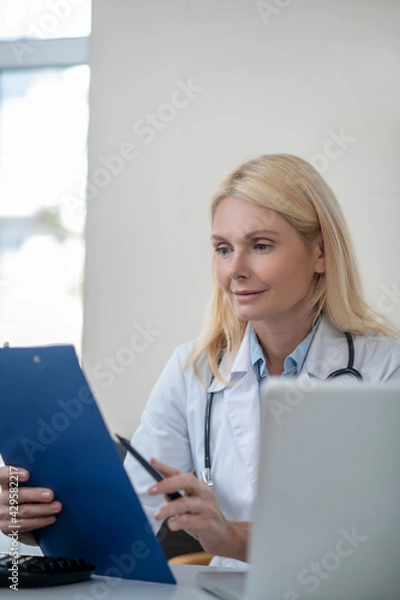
247, 294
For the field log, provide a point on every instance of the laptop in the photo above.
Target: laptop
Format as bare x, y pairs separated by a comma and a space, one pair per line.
327, 515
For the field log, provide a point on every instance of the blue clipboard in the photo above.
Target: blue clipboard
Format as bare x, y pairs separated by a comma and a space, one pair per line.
50, 425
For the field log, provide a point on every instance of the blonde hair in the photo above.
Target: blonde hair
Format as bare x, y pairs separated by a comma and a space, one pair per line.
296, 191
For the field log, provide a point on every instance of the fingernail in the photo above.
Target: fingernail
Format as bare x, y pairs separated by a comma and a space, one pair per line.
153, 489
21, 473
46, 495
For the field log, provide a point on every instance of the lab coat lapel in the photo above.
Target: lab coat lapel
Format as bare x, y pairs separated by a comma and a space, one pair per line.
243, 407
234, 371
327, 353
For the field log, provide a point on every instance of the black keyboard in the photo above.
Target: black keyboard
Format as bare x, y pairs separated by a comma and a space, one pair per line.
38, 571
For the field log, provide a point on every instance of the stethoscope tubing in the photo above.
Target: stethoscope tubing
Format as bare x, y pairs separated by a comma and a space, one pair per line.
349, 370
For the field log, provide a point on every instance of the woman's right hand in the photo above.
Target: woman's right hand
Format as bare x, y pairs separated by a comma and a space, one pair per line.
35, 507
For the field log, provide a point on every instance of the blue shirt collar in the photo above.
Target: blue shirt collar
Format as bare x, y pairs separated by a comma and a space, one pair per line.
293, 363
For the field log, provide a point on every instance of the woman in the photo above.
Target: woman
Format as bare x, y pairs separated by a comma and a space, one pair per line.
286, 288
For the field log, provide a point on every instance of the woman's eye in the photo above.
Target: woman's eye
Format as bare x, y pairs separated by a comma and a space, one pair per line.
263, 246
222, 250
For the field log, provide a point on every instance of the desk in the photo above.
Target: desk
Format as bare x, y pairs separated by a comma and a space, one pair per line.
99, 588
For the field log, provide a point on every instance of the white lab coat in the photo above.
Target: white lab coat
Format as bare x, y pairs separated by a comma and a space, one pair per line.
172, 426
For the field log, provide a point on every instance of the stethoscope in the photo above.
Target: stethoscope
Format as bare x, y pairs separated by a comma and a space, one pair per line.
206, 473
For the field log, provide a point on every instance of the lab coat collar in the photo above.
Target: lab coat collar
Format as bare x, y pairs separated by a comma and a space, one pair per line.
241, 364
325, 355
328, 352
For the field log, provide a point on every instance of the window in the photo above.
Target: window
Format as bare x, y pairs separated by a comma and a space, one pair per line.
43, 164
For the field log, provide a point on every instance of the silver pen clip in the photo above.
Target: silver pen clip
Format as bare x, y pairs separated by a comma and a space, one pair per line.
206, 476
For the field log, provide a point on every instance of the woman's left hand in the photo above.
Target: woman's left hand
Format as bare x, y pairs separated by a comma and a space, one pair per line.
197, 512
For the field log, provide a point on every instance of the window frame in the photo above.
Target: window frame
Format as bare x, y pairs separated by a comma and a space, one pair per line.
30, 53
33, 53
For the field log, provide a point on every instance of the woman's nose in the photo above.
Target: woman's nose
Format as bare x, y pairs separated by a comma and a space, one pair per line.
238, 267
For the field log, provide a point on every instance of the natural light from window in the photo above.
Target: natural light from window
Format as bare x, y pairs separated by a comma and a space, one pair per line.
43, 166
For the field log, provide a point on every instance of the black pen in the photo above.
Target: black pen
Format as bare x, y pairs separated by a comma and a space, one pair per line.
146, 465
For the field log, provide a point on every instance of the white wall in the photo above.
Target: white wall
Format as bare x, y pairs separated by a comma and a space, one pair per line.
277, 83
